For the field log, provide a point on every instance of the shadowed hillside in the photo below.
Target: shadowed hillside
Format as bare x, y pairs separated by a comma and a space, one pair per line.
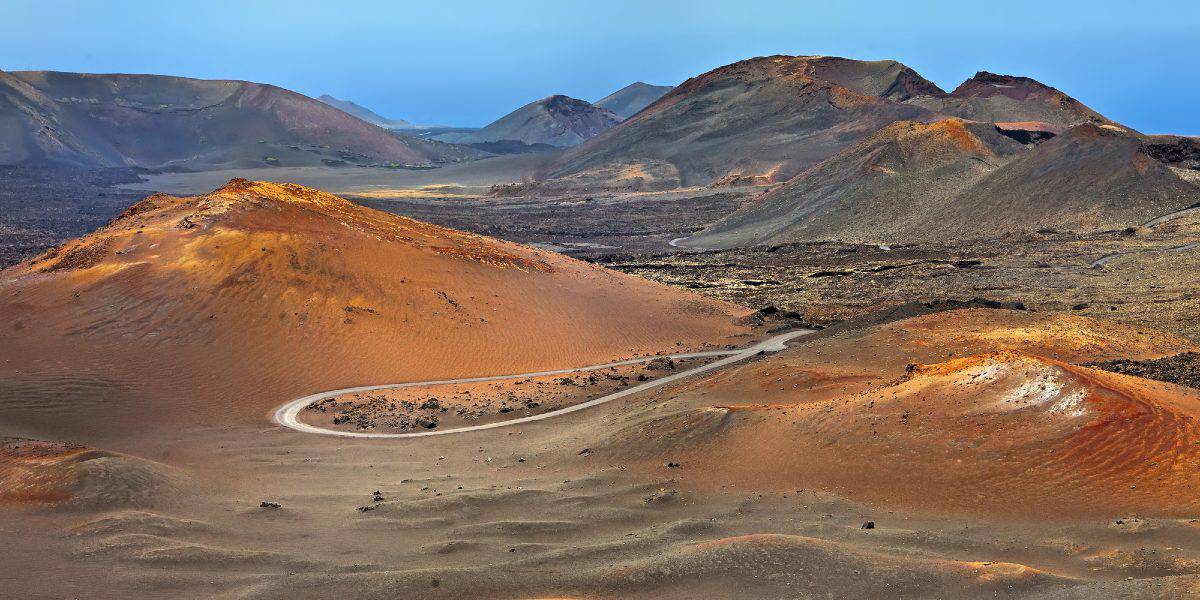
632, 98
281, 289
955, 179
174, 122
557, 121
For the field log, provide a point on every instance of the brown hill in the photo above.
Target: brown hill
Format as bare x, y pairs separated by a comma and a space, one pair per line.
1091, 177
999, 98
759, 119
158, 121
954, 179
231, 302
558, 121
764, 120
899, 180
631, 99
29, 132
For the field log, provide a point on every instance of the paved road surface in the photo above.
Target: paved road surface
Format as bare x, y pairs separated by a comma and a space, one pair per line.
288, 415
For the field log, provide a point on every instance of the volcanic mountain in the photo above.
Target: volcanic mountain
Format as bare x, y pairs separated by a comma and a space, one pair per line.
558, 121
762, 119
1091, 177
629, 100
897, 180
158, 122
258, 291
1006, 98
365, 113
914, 181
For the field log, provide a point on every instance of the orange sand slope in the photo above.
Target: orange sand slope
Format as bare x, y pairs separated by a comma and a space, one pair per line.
233, 301
35, 471
39, 472
997, 418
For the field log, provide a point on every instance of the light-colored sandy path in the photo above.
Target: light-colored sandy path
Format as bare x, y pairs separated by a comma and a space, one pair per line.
1153, 222
1170, 217
1100, 262
288, 415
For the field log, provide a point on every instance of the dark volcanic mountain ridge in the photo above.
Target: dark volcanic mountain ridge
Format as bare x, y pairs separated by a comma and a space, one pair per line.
558, 120
631, 99
161, 122
764, 120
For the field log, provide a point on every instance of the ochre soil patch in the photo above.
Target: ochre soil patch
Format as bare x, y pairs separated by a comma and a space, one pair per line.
964, 411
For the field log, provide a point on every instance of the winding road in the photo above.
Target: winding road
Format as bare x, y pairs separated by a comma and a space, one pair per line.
288, 415
1100, 262
1170, 216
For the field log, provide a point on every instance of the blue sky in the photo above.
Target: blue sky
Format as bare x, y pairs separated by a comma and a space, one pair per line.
467, 63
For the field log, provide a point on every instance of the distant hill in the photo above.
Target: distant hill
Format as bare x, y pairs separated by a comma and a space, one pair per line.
511, 147
764, 120
954, 179
366, 114
991, 97
872, 151
632, 98
558, 121
892, 181
157, 121
443, 152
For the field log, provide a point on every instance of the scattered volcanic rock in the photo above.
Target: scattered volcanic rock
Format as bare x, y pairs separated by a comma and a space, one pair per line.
512, 147
631, 99
174, 122
558, 121
1028, 132
1181, 152
1182, 368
